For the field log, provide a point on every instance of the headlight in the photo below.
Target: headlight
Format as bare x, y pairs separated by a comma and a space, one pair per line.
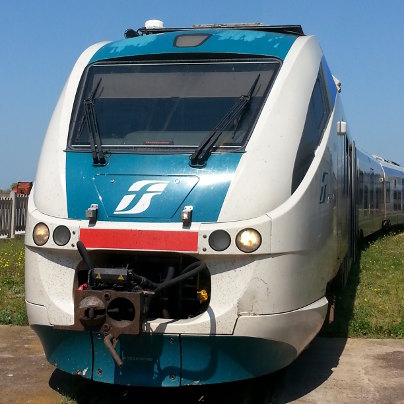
40, 234
248, 240
61, 235
219, 240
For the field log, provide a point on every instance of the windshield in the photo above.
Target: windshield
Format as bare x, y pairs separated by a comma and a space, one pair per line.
171, 105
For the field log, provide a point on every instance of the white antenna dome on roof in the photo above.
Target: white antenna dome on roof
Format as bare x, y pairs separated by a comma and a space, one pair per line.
150, 24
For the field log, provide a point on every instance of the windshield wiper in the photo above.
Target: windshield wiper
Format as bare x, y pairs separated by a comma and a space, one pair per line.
94, 134
201, 154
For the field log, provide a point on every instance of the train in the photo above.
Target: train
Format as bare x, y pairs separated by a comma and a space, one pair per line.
198, 195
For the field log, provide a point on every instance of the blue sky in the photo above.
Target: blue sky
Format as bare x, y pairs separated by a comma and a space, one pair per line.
41, 40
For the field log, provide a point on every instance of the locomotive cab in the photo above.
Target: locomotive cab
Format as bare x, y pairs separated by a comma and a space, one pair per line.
191, 199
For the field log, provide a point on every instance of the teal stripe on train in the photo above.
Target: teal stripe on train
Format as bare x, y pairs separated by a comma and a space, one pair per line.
148, 188
220, 41
164, 360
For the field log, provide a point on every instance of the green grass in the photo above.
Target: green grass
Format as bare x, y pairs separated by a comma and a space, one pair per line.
12, 306
371, 306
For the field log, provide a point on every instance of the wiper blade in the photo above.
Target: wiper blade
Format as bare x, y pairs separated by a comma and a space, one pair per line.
94, 134
203, 151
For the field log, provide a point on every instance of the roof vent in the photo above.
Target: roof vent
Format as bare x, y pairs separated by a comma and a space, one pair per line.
153, 24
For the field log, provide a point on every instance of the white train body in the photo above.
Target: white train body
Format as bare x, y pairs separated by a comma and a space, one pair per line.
293, 178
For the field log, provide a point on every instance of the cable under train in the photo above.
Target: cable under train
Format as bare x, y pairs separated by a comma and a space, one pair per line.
198, 193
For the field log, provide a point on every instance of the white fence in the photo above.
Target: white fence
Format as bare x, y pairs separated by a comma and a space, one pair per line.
13, 214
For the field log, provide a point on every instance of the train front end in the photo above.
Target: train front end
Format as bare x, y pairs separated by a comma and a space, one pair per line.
152, 255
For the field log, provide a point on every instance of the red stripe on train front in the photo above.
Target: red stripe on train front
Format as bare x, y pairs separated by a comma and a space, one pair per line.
149, 240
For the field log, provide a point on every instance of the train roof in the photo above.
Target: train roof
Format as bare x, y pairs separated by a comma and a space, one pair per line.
391, 168
242, 39
283, 29
383, 160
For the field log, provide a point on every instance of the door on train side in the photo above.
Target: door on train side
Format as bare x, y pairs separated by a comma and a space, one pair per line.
344, 198
353, 183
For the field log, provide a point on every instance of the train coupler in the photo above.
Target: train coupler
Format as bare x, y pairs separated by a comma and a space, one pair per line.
109, 312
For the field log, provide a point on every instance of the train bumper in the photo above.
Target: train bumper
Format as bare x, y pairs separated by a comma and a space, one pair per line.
161, 360
269, 343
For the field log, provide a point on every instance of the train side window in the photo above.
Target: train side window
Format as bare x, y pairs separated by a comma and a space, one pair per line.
402, 191
360, 187
395, 198
317, 116
365, 200
387, 191
331, 86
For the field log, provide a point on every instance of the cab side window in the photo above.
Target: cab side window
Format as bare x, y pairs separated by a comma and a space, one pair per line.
318, 112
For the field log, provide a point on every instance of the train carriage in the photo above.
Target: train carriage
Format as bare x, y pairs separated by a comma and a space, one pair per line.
393, 180
195, 198
370, 198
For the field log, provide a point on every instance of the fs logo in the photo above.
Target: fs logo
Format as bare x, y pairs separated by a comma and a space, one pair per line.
150, 188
